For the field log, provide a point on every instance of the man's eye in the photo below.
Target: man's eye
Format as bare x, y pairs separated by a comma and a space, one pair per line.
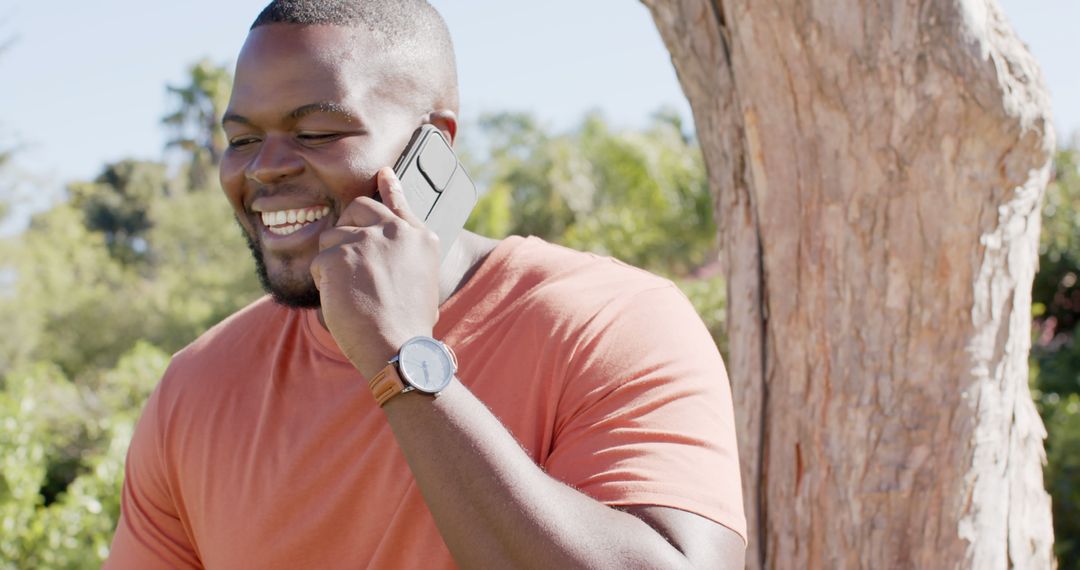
240, 142
318, 137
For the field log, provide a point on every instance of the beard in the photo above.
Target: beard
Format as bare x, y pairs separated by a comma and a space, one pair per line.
288, 288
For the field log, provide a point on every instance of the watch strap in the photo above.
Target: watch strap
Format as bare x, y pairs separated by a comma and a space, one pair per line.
387, 383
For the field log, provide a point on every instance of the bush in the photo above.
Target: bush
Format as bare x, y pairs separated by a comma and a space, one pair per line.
62, 449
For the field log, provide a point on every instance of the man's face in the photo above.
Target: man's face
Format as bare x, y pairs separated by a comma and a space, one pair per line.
314, 114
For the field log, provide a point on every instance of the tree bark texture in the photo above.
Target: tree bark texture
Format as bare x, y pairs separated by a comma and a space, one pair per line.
877, 167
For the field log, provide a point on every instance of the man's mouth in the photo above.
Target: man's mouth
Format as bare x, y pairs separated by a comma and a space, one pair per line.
286, 222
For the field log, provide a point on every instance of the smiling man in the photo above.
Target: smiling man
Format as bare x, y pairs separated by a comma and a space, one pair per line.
574, 412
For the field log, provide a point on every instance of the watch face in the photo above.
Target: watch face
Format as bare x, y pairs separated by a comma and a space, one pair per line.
425, 364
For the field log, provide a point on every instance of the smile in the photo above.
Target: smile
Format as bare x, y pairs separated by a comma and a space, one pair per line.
285, 222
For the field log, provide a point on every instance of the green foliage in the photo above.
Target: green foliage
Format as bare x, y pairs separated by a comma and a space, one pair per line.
67, 286
71, 437
124, 260
202, 270
1056, 291
1055, 355
117, 204
194, 123
1063, 475
640, 196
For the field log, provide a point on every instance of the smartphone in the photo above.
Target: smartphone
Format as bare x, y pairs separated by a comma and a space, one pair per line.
436, 185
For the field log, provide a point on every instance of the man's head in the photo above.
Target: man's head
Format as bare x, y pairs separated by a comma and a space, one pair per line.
325, 94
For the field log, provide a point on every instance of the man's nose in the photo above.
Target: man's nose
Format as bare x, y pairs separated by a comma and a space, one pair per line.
276, 160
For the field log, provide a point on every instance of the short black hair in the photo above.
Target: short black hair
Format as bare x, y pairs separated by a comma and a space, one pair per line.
413, 29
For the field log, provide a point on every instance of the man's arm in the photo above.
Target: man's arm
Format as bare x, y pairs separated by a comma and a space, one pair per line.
705, 543
495, 508
149, 533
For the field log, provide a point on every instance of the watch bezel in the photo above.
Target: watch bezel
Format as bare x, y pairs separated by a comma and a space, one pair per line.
444, 350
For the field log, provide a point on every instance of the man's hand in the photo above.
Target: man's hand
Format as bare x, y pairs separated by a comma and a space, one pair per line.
378, 277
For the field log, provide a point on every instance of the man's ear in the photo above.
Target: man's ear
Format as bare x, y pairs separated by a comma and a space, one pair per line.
446, 121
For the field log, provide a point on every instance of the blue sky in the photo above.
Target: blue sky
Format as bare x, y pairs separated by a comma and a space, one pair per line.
85, 81
92, 76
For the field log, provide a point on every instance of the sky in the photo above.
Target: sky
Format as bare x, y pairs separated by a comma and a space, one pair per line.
89, 77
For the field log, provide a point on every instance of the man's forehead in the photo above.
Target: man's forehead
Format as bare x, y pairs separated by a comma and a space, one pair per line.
284, 66
324, 47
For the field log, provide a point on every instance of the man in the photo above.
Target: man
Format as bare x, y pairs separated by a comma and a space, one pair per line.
589, 422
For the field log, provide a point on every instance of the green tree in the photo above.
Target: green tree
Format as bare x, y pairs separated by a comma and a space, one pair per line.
201, 268
123, 261
1055, 355
77, 304
195, 123
638, 195
513, 168
117, 205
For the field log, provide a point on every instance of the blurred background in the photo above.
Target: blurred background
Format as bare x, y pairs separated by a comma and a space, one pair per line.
116, 248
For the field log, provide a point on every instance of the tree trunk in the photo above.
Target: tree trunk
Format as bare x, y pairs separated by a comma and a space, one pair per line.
878, 167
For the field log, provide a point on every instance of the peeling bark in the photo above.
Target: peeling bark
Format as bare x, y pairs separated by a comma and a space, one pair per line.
878, 167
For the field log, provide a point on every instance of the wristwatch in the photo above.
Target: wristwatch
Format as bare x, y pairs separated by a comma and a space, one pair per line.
423, 364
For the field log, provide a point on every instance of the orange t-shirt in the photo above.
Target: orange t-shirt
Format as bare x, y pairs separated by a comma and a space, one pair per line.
262, 447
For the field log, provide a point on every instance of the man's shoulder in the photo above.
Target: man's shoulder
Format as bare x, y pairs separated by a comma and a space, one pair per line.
579, 279
551, 287
237, 339
239, 328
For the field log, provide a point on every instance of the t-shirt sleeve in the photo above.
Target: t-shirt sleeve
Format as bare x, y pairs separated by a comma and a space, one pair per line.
150, 533
646, 413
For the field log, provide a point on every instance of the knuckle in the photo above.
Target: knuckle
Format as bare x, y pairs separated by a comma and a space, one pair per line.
391, 230
370, 233
431, 237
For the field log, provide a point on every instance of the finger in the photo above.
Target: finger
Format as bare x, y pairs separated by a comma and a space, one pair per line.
394, 196
316, 272
334, 237
363, 212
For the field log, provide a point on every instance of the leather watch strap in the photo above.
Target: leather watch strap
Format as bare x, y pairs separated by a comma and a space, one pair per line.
386, 384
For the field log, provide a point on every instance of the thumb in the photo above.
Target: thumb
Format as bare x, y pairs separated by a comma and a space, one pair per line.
393, 196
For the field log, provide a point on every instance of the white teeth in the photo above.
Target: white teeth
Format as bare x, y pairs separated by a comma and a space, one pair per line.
296, 219
285, 230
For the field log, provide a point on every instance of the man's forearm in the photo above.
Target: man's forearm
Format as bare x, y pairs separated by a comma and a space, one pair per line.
495, 508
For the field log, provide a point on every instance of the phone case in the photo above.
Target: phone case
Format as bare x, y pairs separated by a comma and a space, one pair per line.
436, 185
